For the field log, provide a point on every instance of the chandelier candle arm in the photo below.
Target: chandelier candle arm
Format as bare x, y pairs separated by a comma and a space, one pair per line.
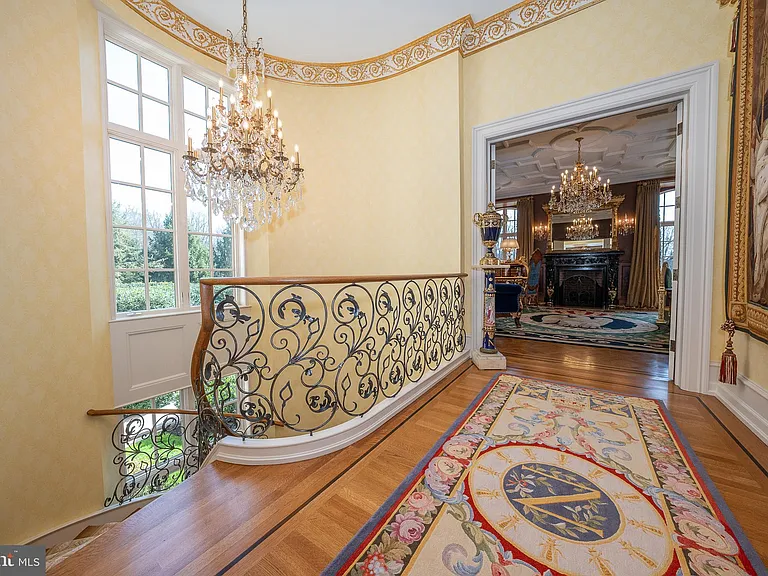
241, 167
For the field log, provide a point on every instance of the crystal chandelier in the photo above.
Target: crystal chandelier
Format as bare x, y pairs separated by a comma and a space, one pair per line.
581, 191
581, 229
540, 232
241, 165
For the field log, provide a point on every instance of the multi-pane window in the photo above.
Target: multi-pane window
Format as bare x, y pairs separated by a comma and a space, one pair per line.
171, 400
667, 225
210, 246
163, 241
209, 236
137, 92
508, 231
142, 227
198, 101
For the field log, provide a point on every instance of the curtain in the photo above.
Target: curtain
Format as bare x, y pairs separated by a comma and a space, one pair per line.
644, 273
525, 228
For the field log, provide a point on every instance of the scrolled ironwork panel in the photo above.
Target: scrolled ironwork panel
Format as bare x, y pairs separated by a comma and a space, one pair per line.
315, 356
155, 452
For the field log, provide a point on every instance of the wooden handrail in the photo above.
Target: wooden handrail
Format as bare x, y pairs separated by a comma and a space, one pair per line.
129, 411
119, 411
279, 280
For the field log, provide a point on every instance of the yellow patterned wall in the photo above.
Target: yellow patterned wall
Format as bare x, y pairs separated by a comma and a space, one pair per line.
388, 191
383, 186
55, 337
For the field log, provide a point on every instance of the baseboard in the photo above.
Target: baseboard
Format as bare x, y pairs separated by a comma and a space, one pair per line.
281, 450
70, 530
747, 400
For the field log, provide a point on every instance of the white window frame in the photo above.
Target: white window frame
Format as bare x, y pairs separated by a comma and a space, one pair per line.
120, 34
666, 187
503, 208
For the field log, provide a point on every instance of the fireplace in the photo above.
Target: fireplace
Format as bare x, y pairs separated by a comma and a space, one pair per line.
579, 287
582, 279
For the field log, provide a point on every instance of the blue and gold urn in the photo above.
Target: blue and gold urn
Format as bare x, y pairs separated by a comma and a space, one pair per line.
490, 223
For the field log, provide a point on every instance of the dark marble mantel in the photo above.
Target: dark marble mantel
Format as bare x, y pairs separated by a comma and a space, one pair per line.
595, 272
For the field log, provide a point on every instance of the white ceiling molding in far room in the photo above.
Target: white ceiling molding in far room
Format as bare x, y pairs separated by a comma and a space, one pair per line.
638, 145
341, 42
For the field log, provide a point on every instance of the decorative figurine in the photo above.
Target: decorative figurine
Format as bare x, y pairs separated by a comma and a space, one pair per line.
490, 224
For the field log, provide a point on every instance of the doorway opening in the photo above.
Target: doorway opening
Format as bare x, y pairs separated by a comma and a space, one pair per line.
599, 277
694, 95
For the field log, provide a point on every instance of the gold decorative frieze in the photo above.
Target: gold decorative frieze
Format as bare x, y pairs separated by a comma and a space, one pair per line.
513, 21
463, 35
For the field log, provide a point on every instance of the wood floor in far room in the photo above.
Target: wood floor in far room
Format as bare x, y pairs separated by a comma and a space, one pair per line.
294, 518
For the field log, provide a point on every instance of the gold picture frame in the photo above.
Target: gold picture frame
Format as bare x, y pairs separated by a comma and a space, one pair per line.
746, 263
613, 205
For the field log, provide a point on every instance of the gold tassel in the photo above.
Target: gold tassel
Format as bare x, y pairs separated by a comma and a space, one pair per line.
728, 363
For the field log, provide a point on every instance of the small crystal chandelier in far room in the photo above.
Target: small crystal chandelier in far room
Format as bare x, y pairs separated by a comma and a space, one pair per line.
581, 191
241, 164
581, 229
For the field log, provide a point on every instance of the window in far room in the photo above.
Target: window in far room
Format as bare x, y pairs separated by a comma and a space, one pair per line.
667, 225
509, 230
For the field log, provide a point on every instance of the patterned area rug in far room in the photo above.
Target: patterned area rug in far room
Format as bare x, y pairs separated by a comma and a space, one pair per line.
623, 329
541, 478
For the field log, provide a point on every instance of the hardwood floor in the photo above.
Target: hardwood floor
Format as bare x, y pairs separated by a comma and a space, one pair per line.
294, 518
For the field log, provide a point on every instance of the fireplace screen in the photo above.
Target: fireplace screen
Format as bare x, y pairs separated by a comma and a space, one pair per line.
581, 288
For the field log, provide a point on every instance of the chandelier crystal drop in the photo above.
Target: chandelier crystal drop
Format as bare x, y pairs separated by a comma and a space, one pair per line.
241, 165
582, 229
581, 190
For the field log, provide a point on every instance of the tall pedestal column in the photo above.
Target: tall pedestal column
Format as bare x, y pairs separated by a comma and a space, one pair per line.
487, 357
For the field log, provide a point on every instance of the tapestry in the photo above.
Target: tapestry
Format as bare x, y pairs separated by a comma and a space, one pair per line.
622, 329
747, 251
543, 478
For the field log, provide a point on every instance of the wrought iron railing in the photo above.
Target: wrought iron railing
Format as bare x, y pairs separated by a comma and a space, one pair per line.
322, 350
155, 450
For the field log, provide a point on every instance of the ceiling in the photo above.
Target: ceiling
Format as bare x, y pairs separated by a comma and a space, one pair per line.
336, 30
625, 148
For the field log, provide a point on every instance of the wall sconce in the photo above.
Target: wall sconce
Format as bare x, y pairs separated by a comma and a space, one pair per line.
625, 225
540, 232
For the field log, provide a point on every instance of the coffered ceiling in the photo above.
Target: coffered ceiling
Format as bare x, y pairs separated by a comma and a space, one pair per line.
625, 148
336, 30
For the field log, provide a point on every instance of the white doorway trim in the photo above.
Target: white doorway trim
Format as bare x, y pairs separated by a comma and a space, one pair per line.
697, 89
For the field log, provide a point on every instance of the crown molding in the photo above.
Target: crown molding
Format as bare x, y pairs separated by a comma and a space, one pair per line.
464, 35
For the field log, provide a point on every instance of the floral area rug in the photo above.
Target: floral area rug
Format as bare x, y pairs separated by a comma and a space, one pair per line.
543, 478
627, 330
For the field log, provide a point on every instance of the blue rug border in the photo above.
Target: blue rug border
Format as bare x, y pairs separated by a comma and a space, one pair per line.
733, 524
343, 556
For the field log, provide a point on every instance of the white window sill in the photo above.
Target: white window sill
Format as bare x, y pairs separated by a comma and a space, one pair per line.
161, 314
